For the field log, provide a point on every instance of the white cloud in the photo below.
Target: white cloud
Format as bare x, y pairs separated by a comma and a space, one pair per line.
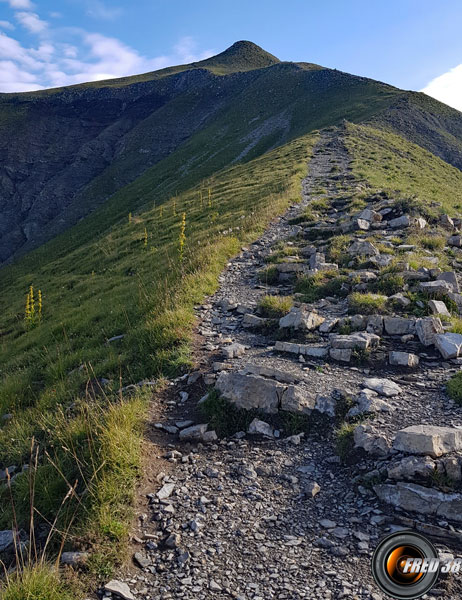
31, 21
15, 79
98, 10
186, 51
447, 87
6, 25
20, 4
83, 57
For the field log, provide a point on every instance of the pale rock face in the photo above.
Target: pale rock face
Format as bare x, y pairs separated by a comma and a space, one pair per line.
258, 427
403, 359
449, 344
439, 308
370, 440
359, 248
325, 405
411, 467
422, 500
398, 325
384, 387
369, 401
428, 440
451, 278
427, 328
299, 318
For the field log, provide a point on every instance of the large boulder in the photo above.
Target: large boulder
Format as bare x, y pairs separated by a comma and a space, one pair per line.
449, 344
429, 440
416, 498
371, 441
398, 325
299, 318
412, 467
437, 288
252, 391
403, 359
363, 248
427, 328
451, 278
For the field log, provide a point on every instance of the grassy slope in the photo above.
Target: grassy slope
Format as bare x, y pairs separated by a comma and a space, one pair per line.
102, 281
388, 161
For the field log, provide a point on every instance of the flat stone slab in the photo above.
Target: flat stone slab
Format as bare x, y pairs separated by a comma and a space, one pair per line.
422, 500
384, 387
315, 351
428, 439
298, 318
361, 340
252, 391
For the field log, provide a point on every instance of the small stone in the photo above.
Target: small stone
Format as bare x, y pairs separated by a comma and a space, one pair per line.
312, 489
260, 428
119, 588
165, 491
439, 308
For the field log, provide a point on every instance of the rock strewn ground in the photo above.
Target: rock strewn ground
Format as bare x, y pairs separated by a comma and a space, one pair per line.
283, 518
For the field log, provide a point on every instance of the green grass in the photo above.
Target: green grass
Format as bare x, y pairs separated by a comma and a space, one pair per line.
41, 582
366, 304
391, 163
345, 441
321, 284
454, 388
111, 284
388, 284
275, 307
269, 275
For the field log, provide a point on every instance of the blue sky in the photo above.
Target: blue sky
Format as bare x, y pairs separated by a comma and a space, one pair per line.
408, 43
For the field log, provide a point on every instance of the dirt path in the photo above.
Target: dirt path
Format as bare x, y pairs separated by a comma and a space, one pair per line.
255, 518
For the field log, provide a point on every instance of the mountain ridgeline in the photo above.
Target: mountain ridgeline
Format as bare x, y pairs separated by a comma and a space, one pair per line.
64, 152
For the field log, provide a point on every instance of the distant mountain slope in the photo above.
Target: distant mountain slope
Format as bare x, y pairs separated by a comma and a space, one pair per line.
64, 152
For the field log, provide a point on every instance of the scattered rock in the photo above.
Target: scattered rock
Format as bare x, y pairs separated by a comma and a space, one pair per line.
119, 588
428, 439
384, 387
403, 359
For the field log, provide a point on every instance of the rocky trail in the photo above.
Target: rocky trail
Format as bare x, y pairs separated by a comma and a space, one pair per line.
349, 432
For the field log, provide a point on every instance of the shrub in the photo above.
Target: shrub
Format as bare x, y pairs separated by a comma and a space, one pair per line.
40, 582
224, 417
389, 284
433, 242
270, 275
454, 388
366, 304
275, 307
337, 251
456, 325
321, 284
345, 441
281, 253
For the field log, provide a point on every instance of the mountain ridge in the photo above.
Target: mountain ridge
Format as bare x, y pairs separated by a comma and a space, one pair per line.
63, 154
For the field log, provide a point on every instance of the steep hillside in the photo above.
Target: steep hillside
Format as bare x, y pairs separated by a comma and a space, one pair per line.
64, 152
137, 192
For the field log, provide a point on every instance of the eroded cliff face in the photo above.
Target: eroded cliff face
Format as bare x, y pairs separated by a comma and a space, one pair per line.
64, 152
52, 147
